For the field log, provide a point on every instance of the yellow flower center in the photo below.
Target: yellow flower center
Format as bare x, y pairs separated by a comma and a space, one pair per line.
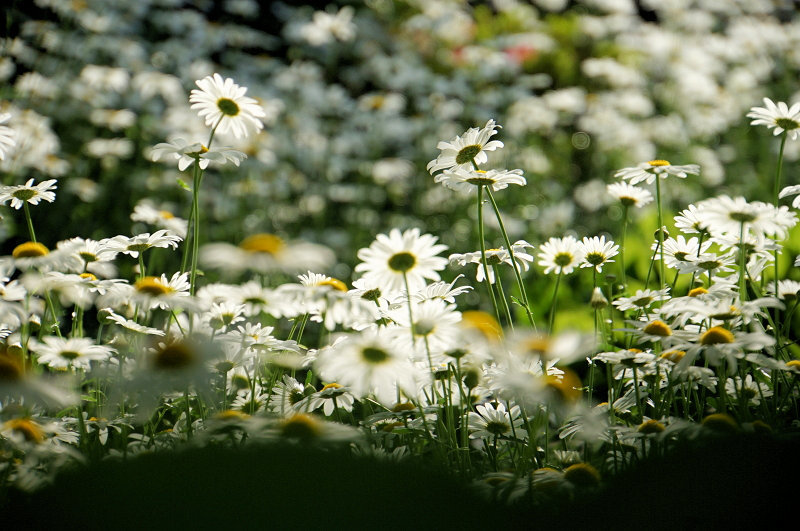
673, 355
651, 426
658, 328
10, 369
697, 291
172, 357
27, 428
331, 386
152, 286
262, 243
29, 250
335, 283
483, 322
582, 475
658, 162
716, 336
300, 426
568, 385
230, 414
166, 214
88, 276
721, 422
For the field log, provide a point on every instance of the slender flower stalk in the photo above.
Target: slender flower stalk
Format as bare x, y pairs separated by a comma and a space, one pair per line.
483, 252
517, 274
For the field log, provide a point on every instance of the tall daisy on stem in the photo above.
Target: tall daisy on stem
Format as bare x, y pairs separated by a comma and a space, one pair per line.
459, 159
225, 108
561, 255
628, 196
655, 170
785, 121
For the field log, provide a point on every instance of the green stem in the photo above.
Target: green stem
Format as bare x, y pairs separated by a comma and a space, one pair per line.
483, 252
195, 226
28, 219
501, 293
660, 233
553, 303
622, 247
514, 264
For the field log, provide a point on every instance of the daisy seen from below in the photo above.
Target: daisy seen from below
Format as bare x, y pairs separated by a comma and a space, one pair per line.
596, 252
648, 171
223, 105
468, 180
560, 255
402, 260
186, 154
75, 352
368, 363
629, 195
28, 193
779, 117
7, 136
495, 257
134, 245
467, 151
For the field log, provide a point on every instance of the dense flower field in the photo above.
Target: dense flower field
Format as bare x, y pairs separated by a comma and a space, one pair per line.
534, 244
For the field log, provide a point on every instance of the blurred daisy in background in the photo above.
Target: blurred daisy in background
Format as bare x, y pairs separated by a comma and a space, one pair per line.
630, 195
779, 117
266, 253
7, 136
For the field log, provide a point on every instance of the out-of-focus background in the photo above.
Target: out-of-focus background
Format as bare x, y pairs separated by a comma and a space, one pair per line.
358, 94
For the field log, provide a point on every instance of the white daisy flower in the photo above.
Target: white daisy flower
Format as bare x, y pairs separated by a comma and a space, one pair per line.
597, 252
368, 364
127, 324
641, 300
468, 180
560, 255
691, 221
630, 195
164, 293
7, 136
492, 421
725, 215
791, 190
780, 117
680, 252
222, 103
28, 192
749, 390
331, 397
391, 258
495, 257
186, 154
648, 171
464, 151
134, 245
76, 352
